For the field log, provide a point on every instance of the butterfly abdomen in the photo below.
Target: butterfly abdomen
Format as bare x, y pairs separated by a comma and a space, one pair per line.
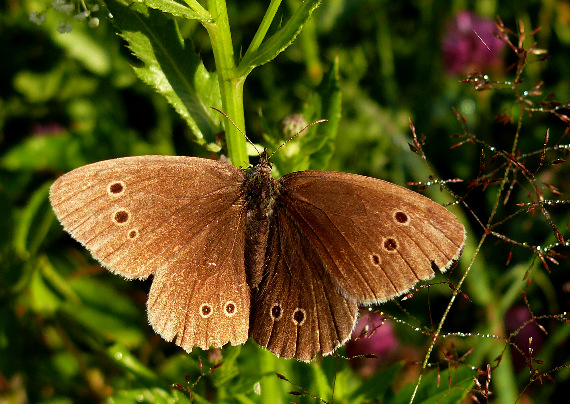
260, 192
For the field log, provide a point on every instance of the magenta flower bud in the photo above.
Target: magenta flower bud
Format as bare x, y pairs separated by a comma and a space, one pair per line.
469, 45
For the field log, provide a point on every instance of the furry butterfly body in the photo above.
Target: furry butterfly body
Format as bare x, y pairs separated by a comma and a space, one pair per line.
236, 254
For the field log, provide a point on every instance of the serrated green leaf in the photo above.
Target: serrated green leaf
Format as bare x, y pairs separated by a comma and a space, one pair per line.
177, 9
170, 66
278, 41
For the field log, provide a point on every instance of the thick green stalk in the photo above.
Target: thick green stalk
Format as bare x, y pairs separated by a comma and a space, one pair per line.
231, 86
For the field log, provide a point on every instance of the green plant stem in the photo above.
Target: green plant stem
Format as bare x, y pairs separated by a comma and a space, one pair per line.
386, 55
263, 27
231, 85
198, 9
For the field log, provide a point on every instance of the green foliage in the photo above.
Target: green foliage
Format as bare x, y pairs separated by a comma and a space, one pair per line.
144, 81
171, 67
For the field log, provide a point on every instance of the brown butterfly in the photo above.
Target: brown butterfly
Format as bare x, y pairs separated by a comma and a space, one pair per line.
236, 254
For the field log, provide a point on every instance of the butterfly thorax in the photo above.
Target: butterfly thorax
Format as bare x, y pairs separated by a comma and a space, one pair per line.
260, 192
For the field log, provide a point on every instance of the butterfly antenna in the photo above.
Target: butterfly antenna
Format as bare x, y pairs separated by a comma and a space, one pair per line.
233, 123
297, 134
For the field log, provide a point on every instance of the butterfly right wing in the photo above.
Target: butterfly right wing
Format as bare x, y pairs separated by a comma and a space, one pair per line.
178, 218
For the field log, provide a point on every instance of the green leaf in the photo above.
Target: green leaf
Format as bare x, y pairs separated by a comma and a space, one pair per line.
314, 147
105, 312
85, 48
34, 223
229, 370
39, 87
374, 388
278, 41
121, 355
153, 395
7, 223
327, 105
177, 9
322, 385
170, 66
43, 300
54, 152
57, 84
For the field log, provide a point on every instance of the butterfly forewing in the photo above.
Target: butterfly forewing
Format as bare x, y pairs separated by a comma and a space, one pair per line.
166, 216
376, 239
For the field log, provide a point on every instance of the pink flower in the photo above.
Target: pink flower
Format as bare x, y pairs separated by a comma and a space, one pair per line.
515, 317
373, 335
470, 46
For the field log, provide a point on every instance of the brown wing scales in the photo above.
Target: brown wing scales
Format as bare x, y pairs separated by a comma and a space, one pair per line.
298, 310
376, 239
167, 216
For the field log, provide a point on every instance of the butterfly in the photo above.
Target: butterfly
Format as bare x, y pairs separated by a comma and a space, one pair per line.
235, 253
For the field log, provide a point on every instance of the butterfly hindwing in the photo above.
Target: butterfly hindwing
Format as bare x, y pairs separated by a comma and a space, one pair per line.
206, 300
298, 310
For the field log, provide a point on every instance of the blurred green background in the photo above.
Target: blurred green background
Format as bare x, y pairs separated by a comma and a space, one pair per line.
72, 332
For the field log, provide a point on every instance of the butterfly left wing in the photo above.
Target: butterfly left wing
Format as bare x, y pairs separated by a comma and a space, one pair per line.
298, 310
377, 239
180, 219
